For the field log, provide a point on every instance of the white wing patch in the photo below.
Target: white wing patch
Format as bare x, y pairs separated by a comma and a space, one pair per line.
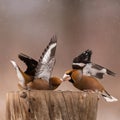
46, 57
89, 71
45, 70
47, 61
19, 74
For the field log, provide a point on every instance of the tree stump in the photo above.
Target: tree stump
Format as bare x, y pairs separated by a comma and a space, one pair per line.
51, 105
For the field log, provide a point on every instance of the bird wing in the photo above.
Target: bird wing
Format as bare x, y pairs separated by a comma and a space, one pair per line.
110, 72
30, 62
102, 71
47, 60
96, 66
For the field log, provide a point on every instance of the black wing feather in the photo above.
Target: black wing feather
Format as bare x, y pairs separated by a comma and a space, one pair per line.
30, 62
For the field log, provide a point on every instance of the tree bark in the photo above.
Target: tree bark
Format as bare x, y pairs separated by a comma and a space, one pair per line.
51, 105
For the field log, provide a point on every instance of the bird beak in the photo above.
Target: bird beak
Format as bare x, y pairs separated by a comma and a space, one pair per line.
66, 77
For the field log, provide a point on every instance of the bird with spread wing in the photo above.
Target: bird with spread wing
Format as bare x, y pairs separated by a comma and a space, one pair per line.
38, 73
83, 61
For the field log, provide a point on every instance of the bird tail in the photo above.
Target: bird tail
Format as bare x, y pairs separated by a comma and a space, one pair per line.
108, 97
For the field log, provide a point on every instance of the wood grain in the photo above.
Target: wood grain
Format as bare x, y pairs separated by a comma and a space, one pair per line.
51, 105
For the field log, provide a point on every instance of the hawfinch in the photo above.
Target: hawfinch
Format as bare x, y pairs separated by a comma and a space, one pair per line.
84, 82
38, 72
83, 61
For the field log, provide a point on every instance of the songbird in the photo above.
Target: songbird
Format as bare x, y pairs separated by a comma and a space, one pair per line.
83, 61
45, 67
31, 63
40, 71
84, 82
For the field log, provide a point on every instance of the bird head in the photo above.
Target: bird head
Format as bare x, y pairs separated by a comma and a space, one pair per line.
81, 60
72, 75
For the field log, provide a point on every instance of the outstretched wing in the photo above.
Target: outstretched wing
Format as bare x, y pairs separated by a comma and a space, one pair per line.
96, 70
102, 71
47, 60
30, 62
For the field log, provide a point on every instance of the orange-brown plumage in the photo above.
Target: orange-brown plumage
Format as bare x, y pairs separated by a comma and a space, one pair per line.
38, 84
54, 82
38, 73
83, 82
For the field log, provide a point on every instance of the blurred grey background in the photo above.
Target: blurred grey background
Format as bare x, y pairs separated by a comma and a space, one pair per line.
27, 26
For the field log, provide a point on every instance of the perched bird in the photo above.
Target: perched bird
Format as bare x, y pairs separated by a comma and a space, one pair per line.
44, 68
31, 63
39, 72
83, 61
84, 82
